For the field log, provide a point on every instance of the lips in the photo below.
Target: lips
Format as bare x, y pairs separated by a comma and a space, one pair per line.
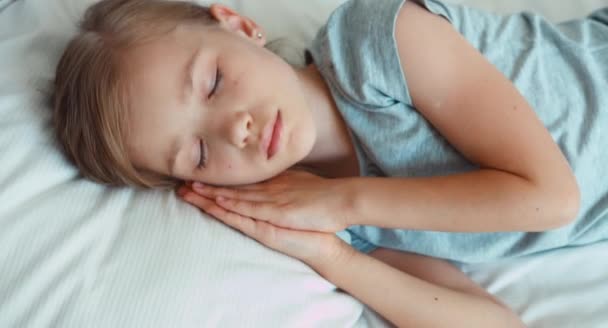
272, 136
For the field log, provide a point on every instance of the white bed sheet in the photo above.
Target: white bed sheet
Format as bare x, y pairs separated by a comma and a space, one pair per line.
77, 254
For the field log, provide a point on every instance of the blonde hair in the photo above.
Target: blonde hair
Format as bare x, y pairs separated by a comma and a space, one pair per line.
90, 90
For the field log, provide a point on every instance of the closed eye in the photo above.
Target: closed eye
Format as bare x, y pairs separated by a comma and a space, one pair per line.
202, 162
218, 79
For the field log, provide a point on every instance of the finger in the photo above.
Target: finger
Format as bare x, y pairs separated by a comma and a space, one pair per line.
183, 190
210, 207
259, 230
275, 237
243, 194
263, 211
253, 186
195, 199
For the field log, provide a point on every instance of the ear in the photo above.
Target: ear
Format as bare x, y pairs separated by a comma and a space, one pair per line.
231, 20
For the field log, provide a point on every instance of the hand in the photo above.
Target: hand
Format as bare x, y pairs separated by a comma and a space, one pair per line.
294, 199
317, 249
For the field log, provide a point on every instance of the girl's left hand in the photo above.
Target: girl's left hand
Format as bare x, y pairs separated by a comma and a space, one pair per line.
294, 199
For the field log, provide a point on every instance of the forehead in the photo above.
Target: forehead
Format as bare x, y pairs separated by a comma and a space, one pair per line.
154, 66
152, 71
157, 49
165, 53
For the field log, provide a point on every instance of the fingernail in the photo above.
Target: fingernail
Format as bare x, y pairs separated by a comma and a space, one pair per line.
198, 185
182, 191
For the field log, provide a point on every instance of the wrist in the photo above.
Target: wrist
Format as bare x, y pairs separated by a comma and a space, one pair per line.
348, 193
338, 256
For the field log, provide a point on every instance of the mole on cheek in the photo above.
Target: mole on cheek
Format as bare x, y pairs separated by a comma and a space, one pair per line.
229, 165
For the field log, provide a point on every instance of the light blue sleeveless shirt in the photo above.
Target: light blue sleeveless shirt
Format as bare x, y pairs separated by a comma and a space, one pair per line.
562, 70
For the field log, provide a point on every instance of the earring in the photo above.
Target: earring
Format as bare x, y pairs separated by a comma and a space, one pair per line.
260, 35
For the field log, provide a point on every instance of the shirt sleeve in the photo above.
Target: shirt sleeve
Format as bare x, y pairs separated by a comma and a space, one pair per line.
356, 241
357, 51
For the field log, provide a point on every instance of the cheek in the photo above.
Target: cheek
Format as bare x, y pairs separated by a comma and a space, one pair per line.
228, 166
303, 136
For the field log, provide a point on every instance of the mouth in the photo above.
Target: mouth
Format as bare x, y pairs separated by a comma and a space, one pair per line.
273, 143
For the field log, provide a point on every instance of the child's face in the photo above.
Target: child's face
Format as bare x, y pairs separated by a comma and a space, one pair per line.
169, 118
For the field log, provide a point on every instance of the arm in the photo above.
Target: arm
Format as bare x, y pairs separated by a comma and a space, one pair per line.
486, 200
426, 293
524, 183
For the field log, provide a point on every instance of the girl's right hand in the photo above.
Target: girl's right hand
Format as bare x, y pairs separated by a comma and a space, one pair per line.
317, 249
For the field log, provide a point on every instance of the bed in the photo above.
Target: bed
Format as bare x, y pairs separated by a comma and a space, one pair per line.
77, 254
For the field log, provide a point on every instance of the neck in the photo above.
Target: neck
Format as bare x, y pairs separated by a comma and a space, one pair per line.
332, 143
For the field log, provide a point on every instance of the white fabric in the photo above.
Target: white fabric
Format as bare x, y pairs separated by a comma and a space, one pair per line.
76, 254
564, 288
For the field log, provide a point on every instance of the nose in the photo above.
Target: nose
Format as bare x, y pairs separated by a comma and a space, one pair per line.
240, 129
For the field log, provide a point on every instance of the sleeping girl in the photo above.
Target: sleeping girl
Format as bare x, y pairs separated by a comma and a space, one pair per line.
416, 133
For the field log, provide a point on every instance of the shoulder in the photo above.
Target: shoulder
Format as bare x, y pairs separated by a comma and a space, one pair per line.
356, 53
477, 109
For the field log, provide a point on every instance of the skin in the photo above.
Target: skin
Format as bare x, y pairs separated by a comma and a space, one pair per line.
167, 117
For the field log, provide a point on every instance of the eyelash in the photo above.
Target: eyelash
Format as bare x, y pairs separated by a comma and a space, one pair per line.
218, 79
203, 159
